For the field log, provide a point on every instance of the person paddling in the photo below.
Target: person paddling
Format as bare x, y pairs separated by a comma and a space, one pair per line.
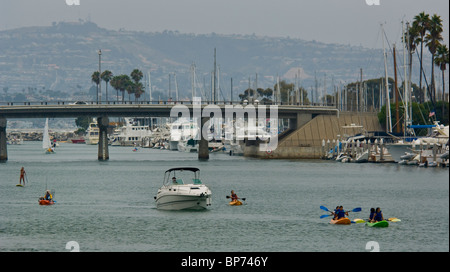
341, 213
372, 215
22, 175
378, 215
233, 196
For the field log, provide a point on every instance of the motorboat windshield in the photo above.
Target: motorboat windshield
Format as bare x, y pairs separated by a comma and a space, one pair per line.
178, 176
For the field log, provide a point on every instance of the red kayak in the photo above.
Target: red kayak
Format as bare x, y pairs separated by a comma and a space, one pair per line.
342, 221
46, 202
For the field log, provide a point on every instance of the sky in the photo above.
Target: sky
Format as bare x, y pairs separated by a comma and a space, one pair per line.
353, 22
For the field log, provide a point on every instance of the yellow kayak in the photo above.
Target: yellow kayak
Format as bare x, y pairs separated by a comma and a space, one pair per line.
235, 203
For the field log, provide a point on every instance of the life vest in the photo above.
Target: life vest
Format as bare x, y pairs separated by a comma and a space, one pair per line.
341, 214
234, 197
378, 216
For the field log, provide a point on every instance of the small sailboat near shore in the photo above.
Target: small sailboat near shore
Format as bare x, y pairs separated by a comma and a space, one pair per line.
46, 143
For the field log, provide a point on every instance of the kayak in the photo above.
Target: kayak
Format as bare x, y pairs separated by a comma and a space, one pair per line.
379, 224
235, 203
342, 221
46, 202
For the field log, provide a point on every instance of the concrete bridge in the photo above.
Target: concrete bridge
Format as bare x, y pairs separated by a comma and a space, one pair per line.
297, 115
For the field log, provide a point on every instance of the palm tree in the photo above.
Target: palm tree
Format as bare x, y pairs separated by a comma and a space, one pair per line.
422, 23
115, 84
138, 90
136, 75
124, 84
96, 79
106, 76
413, 39
136, 87
441, 60
433, 39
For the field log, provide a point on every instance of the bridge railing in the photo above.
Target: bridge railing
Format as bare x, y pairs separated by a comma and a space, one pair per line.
160, 102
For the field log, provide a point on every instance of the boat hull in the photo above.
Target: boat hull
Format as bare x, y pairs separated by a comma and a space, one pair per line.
46, 202
380, 224
183, 202
342, 221
235, 203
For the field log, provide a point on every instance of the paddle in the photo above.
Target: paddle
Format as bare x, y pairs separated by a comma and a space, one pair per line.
238, 197
358, 209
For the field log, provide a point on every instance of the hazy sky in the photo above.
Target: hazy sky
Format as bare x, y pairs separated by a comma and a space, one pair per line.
332, 21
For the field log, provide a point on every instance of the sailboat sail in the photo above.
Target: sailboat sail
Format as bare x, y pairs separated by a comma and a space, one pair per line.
46, 144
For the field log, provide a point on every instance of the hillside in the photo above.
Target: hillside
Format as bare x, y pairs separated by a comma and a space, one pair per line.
63, 56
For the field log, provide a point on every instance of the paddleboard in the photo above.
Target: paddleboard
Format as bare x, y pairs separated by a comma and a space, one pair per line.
379, 224
342, 221
19, 185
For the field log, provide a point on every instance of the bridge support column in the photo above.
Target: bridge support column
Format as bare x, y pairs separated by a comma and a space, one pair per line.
103, 153
3, 150
203, 151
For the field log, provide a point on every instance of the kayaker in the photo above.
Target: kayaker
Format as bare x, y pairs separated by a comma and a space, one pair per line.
378, 215
341, 213
372, 215
335, 212
48, 195
22, 176
234, 196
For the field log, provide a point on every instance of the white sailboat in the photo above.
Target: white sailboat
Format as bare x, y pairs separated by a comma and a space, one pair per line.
46, 144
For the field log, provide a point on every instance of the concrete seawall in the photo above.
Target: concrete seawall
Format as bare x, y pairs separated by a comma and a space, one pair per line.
306, 141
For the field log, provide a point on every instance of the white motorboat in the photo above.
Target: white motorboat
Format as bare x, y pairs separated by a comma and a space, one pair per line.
132, 134
92, 133
182, 130
183, 194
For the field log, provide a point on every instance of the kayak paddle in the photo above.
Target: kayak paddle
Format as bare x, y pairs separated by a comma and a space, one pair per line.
238, 197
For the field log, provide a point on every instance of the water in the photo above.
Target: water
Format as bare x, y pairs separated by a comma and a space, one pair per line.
109, 206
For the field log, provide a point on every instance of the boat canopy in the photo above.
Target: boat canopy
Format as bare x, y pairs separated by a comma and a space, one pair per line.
192, 169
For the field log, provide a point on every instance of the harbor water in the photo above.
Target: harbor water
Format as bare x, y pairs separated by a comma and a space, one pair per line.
109, 206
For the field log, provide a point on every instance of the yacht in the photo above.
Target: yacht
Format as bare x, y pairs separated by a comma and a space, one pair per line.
439, 135
92, 133
132, 134
181, 193
182, 130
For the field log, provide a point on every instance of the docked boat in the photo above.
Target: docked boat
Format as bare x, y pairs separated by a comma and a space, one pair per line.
78, 141
183, 194
92, 133
189, 145
14, 138
182, 130
132, 134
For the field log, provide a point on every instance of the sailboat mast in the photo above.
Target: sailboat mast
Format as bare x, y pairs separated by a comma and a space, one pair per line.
388, 104
214, 77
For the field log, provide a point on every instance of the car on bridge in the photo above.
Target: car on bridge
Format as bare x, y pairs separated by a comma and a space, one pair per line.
79, 103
